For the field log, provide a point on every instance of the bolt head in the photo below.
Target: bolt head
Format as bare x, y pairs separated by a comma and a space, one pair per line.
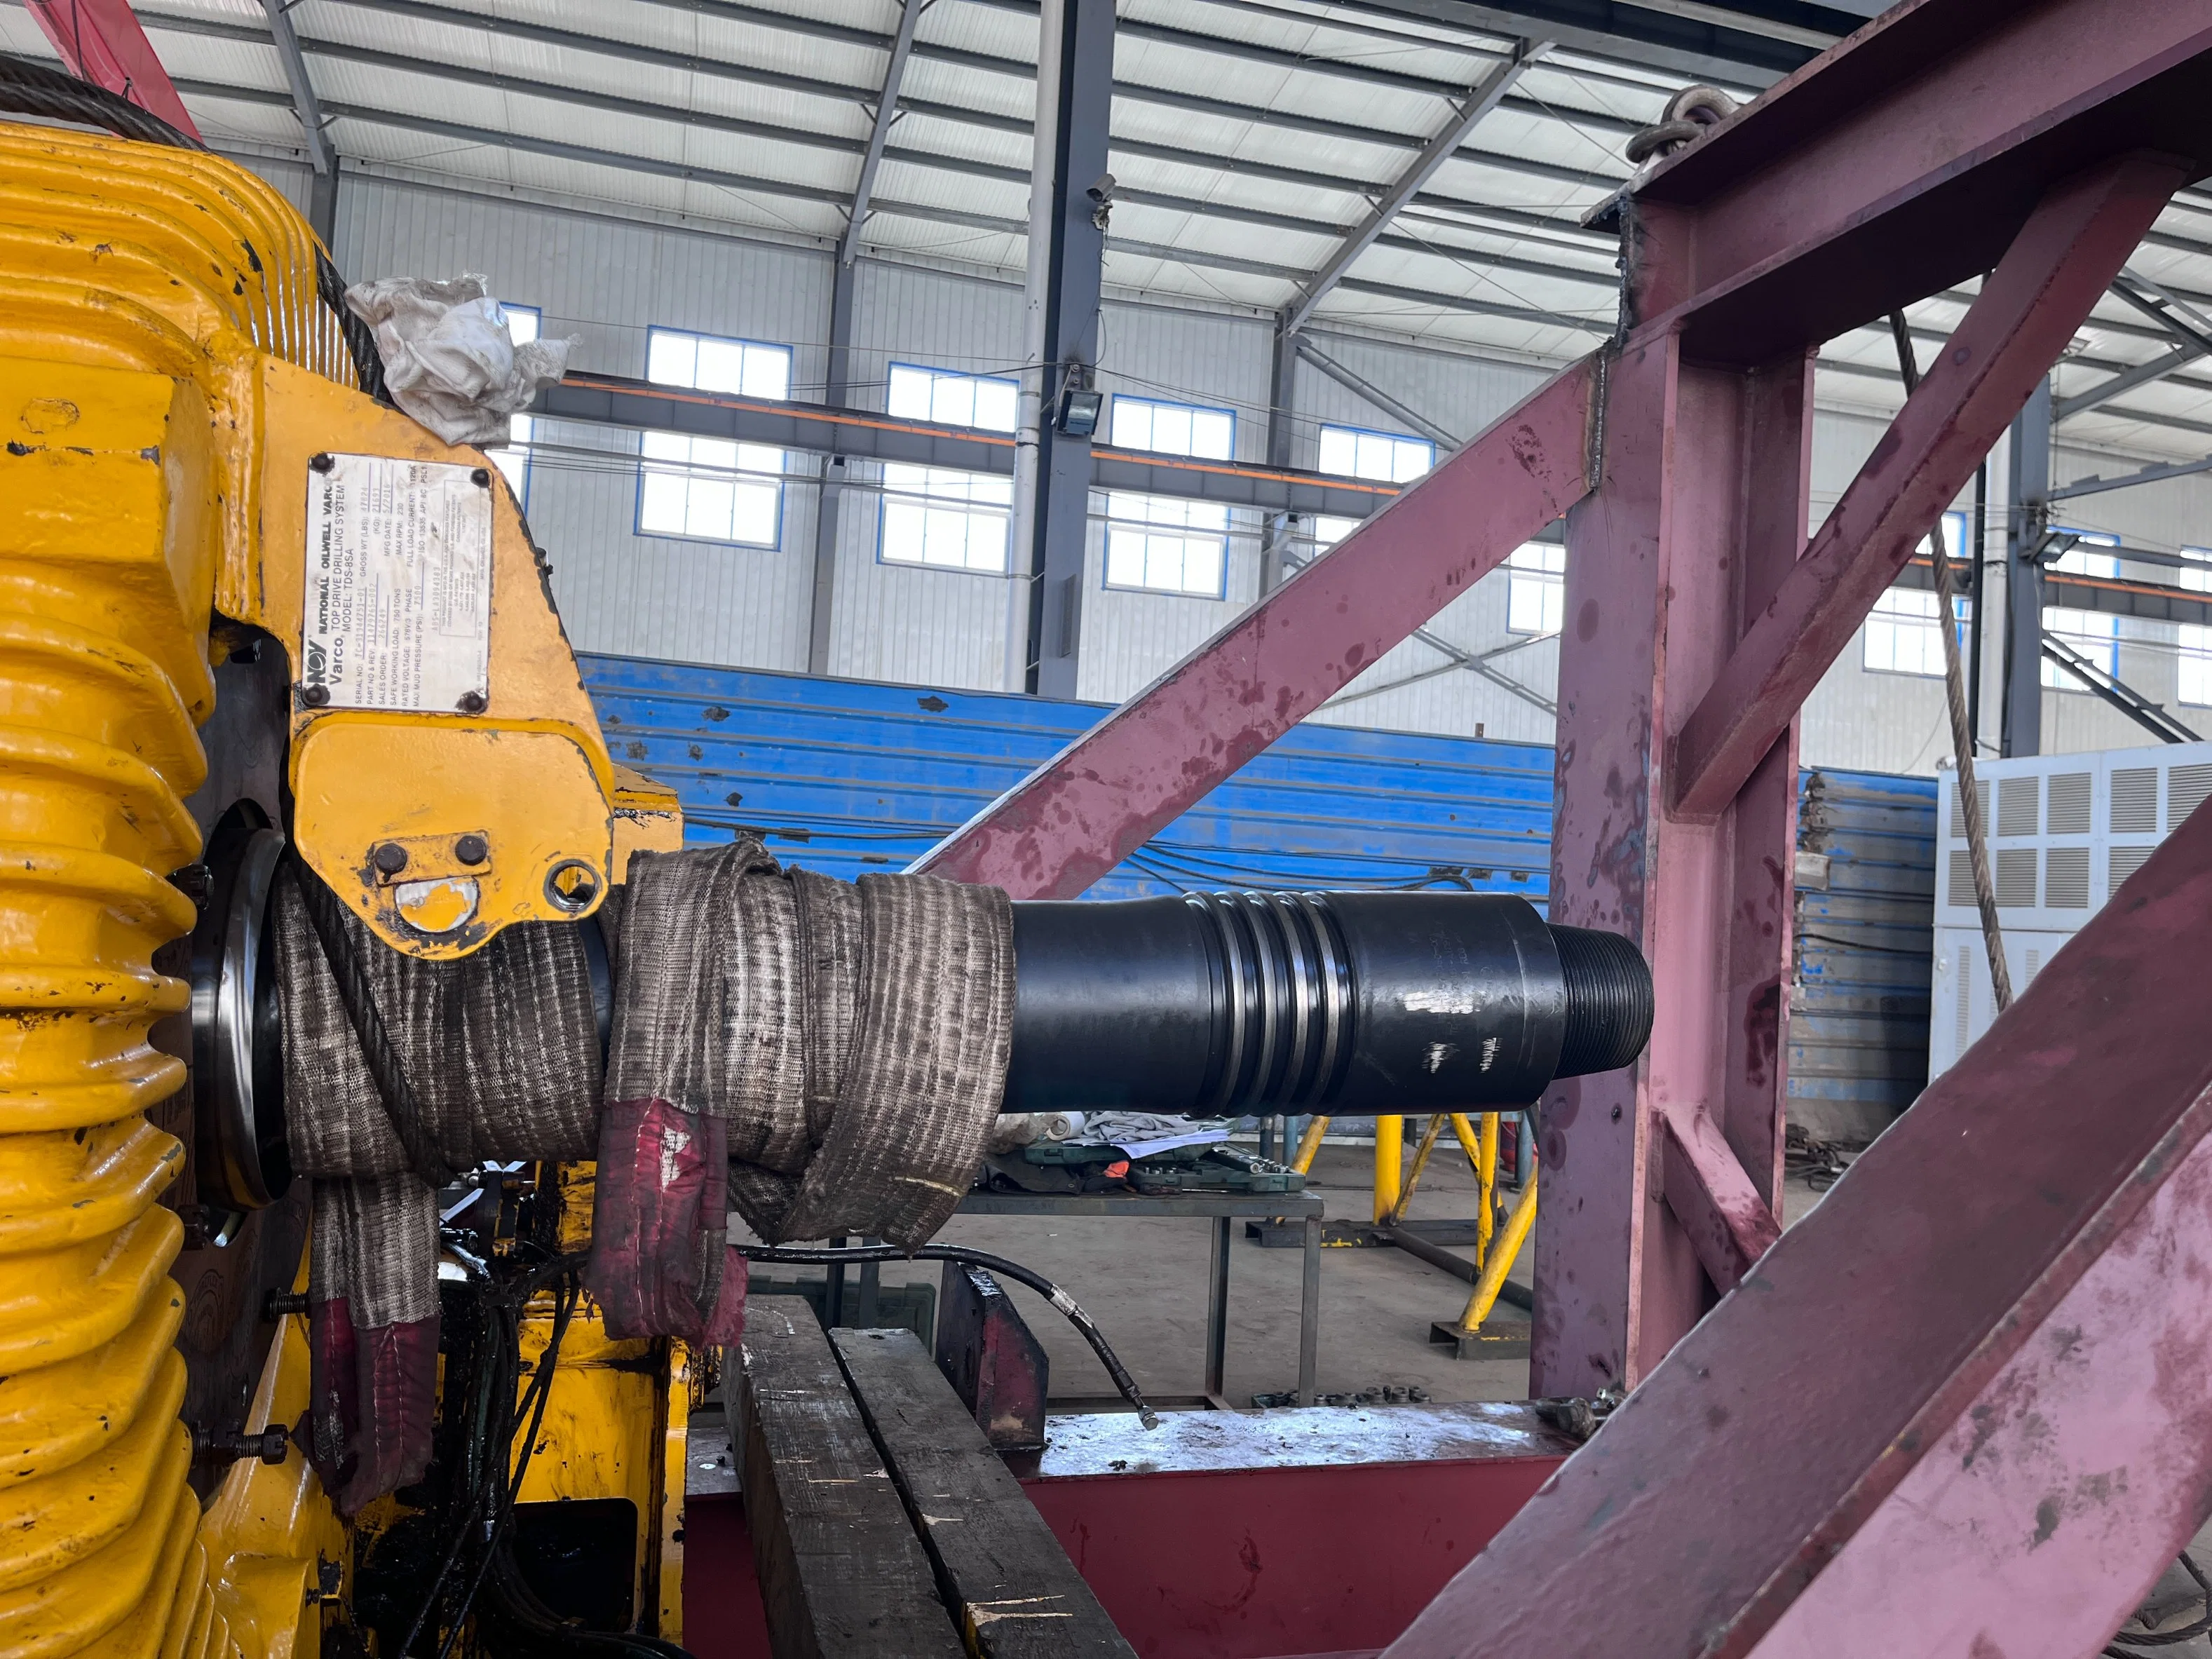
1616, 1114
390, 858
481, 478
320, 463
471, 849
314, 695
471, 702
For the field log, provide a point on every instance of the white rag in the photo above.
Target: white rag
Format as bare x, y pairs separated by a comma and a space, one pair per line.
448, 358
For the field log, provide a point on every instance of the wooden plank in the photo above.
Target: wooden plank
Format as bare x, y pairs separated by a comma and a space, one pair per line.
841, 1571
1017, 1595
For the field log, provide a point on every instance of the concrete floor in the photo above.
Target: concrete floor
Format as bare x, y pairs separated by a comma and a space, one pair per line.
1145, 1284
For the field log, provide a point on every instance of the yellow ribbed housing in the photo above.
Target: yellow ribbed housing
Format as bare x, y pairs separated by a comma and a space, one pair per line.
139, 287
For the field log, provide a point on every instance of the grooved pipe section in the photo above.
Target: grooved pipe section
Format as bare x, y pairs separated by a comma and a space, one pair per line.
1223, 1004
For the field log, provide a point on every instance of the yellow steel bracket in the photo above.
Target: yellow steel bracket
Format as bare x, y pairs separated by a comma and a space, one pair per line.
447, 771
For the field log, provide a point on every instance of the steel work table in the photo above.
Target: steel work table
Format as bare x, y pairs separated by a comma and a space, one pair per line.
1224, 1210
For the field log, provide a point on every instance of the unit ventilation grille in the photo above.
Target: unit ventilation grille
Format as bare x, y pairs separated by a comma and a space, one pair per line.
2016, 804
2186, 786
1962, 877
2066, 878
2016, 877
2069, 810
2135, 802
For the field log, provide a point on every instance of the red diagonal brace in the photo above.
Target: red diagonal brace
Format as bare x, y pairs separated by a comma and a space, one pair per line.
1101, 798
2062, 261
102, 42
1728, 1223
1957, 1410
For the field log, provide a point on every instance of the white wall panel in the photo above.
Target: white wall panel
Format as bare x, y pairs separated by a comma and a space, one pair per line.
607, 283
896, 622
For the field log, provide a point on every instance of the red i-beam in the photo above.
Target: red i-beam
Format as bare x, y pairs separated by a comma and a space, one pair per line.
102, 41
1960, 1411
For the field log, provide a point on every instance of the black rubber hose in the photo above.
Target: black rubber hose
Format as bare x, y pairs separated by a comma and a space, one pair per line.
30, 87
386, 1070
833, 1255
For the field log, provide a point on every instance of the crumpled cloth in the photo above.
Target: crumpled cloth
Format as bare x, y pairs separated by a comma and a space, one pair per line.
501, 1051
846, 1044
448, 358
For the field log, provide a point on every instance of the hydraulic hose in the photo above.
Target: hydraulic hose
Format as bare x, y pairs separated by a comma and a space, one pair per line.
836, 1256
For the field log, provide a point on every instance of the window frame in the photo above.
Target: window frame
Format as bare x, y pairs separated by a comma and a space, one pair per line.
521, 429
1114, 418
2090, 544
655, 330
1359, 432
1524, 577
1148, 527
649, 467
970, 510
936, 373
1958, 529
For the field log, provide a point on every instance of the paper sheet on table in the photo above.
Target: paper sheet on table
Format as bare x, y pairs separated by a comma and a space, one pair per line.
1168, 1143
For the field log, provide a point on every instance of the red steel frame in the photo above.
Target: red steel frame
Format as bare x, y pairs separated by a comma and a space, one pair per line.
1988, 1285
102, 41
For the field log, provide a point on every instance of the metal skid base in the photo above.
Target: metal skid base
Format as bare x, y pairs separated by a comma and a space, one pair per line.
1503, 1342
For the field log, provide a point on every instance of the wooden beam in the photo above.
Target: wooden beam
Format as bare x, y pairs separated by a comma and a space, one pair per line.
1014, 1589
841, 1574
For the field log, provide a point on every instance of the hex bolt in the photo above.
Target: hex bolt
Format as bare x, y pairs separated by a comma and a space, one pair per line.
471, 702
229, 1445
193, 881
281, 1303
481, 478
390, 858
321, 463
314, 695
471, 849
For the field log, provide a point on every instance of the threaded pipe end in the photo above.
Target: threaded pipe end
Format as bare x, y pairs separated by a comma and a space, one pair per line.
1609, 1006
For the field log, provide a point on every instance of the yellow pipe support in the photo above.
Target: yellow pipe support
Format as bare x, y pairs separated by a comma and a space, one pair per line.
1429, 1138
1390, 1163
138, 286
1493, 1275
1309, 1144
1485, 1184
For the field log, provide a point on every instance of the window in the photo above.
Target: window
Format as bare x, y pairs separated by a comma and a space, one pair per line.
1351, 453
1328, 530
2094, 633
709, 488
1535, 588
1901, 636
1173, 428
512, 458
2196, 661
706, 363
933, 515
952, 399
1163, 546
1158, 544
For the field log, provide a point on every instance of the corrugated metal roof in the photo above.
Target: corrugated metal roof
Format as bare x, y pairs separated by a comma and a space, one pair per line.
1269, 125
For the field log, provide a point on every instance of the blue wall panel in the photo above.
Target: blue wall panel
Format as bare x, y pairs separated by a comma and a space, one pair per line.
845, 776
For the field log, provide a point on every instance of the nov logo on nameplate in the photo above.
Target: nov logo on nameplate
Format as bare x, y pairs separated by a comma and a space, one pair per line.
398, 585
